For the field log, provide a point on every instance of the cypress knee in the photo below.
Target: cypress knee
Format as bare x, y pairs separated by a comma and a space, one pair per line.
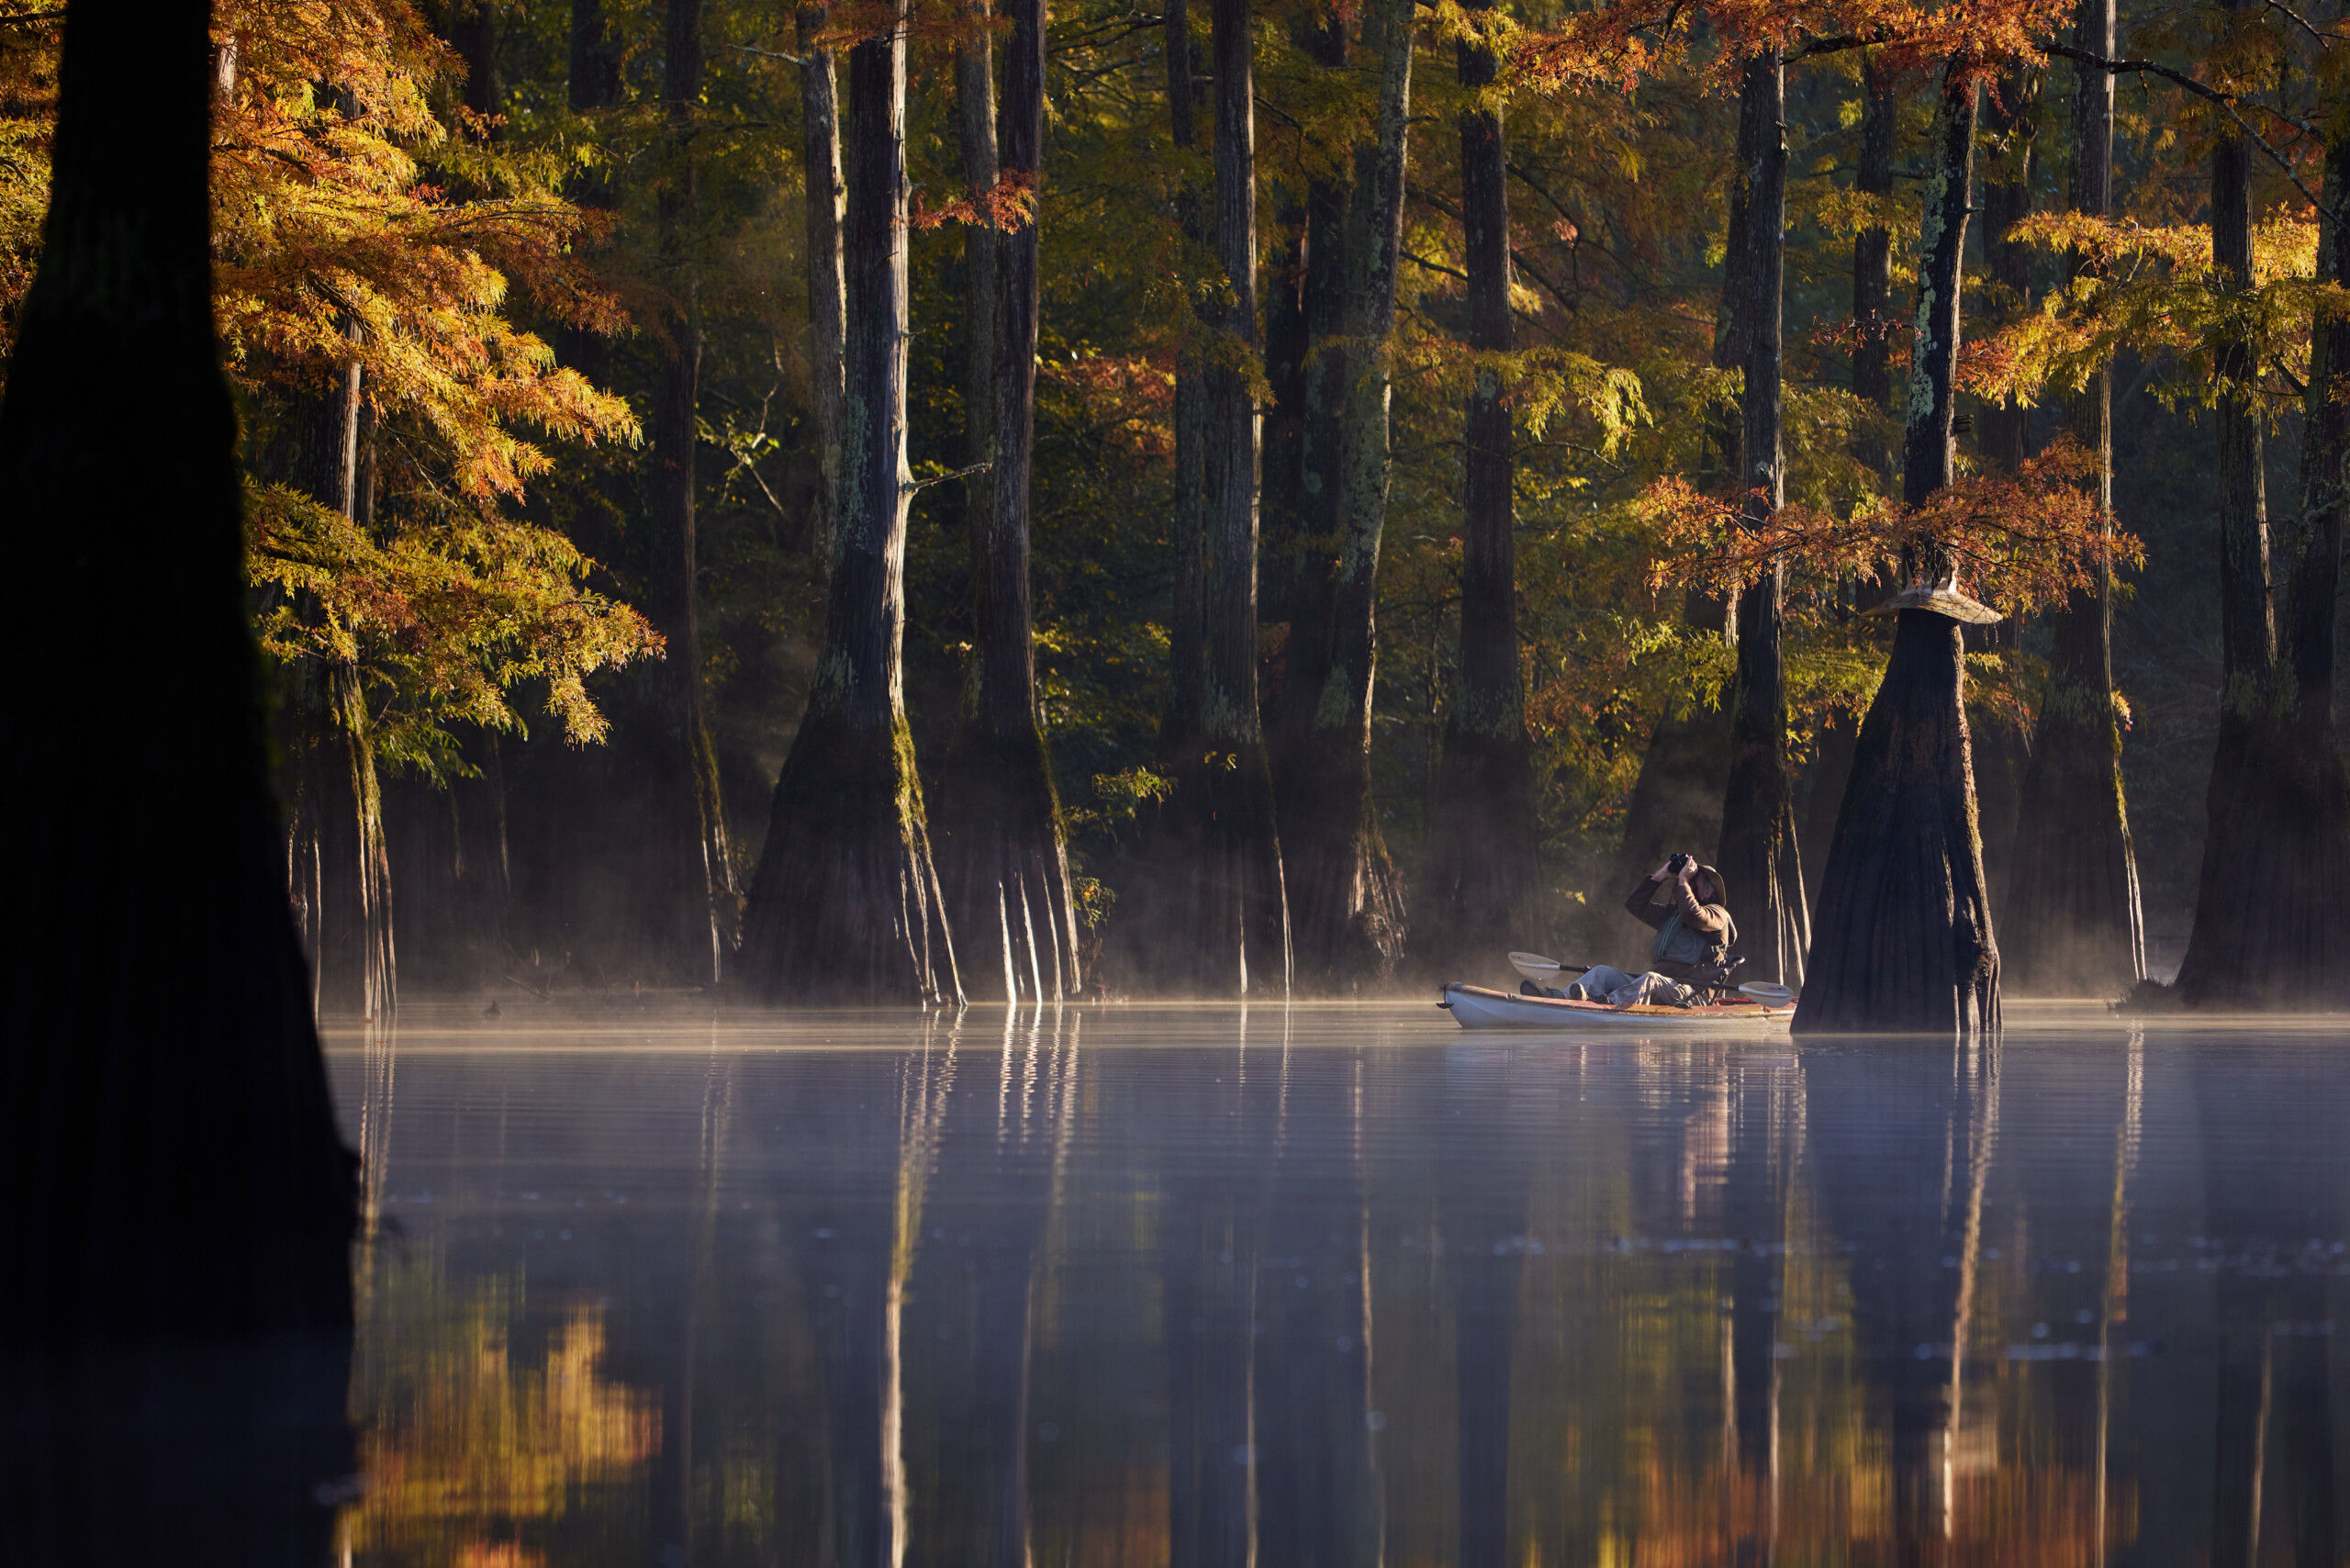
1903, 940
168, 1143
844, 905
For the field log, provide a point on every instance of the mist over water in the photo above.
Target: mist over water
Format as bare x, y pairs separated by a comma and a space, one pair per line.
1342, 1285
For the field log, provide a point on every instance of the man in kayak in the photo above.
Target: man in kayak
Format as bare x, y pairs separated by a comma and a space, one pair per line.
1693, 932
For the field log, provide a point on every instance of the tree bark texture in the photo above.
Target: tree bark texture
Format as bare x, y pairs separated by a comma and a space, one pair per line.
1179, 729
700, 883
820, 142
1759, 857
2073, 919
845, 905
168, 1144
1280, 496
1004, 860
1347, 899
1487, 887
1904, 939
2268, 932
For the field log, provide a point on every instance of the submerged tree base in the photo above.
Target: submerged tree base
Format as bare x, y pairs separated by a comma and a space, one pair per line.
2272, 929
846, 907
1903, 940
1213, 916
1005, 873
1486, 896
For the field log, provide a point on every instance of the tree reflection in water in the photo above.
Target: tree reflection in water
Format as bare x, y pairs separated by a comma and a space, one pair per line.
1320, 1287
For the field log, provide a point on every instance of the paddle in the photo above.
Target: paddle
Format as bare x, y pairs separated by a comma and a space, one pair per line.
1537, 968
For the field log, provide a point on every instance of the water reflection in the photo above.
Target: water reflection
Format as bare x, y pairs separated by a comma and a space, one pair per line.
1327, 1286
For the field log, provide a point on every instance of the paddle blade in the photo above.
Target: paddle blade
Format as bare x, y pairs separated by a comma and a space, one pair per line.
1770, 993
1534, 965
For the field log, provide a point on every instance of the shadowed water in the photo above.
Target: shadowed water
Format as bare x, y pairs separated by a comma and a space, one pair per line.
1342, 1286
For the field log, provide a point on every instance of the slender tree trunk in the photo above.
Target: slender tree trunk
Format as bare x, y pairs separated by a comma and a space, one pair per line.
1487, 887
1759, 858
2003, 435
472, 30
2073, 923
2269, 930
1348, 902
168, 1144
705, 898
819, 141
1179, 727
1904, 940
1282, 543
1004, 864
1232, 917
845, 905
1873, 323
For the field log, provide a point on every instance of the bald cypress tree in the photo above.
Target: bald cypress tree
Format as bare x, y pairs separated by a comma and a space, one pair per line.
167, 1142
845, 905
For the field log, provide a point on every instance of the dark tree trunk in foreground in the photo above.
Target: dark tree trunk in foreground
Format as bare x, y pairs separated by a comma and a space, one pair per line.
820, 149
1227, 915
1179, 727
1759, 858
1347, 902
845, 905
2270, 928
698, 884
2072, 920
1487, 887
168, 1145
1002, 858
1904, 938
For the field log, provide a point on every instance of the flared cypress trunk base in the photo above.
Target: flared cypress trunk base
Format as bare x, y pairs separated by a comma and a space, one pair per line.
846, 907
1903, 940
2071, 919
2271, 927
1213, 916
1005, 872
1346, 898
1484, 891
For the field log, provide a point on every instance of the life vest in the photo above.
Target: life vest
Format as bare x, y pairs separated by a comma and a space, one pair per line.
1677, 944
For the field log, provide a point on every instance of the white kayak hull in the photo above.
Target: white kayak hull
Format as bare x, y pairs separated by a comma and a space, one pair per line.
1477, 1007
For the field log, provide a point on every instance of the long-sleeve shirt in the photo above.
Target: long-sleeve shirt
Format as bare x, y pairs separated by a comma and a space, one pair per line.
1710, 918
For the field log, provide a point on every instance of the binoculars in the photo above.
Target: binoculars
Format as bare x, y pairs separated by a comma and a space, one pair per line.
1672, 867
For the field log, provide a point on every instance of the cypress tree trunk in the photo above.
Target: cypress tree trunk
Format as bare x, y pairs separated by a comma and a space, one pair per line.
2073, 921
1904, 938
819, 141
1312, 557
2269, 929
1348, 904
1231, 929
1004, 866
168, 1145
1179, 727
704, 879
1759, 858
1281, 538
1487, 886
844, 905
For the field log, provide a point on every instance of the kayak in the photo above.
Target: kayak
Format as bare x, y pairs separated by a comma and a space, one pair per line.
1479, 1007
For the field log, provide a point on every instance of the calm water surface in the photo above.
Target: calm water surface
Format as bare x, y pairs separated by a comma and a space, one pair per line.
1341, 1286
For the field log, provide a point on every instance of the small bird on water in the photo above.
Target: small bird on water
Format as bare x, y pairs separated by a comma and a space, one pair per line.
490, 1011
